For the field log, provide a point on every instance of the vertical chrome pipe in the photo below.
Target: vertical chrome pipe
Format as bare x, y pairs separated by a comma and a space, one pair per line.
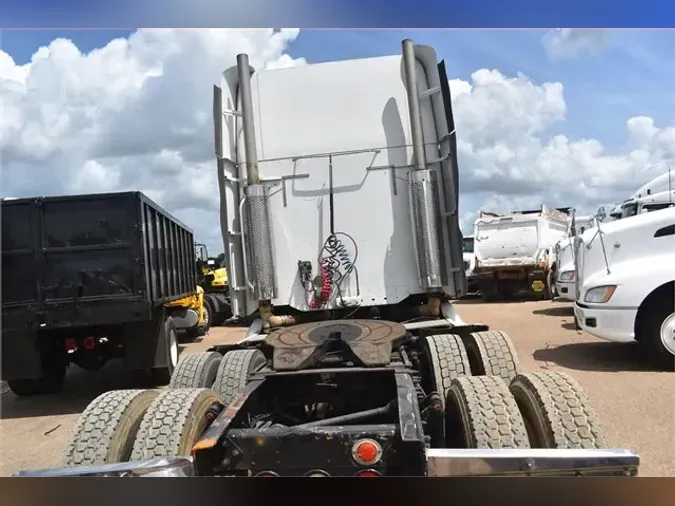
247, 116
414, 108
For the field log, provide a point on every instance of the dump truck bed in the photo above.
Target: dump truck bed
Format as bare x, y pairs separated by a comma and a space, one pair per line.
518, 239
91, 260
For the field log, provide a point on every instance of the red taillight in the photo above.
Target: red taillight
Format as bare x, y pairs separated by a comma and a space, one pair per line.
70, 344
368, 473
367, 451
266, 474
89, 343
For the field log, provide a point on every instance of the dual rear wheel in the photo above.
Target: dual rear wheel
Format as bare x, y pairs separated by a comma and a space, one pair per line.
124, 425
490, 404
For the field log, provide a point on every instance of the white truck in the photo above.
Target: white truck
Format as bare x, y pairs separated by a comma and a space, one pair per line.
661, 183
339, 202
642, 201
647, 203
564, 257
469, 262
625, 282
516, 251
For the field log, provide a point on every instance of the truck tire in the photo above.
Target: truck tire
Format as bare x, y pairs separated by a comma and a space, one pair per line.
481, 413
551, 290
222, 308
196, 370
447, 360
657, 332
490, 295
173, 423
54, 367
169, 347
492, 353
192, 334
557, 412
234, 372
105, 431
208, 317
216, 318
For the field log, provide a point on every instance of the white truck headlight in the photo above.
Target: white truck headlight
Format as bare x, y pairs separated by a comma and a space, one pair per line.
600, 294
566, 276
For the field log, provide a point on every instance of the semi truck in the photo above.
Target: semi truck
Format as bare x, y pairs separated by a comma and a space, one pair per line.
625, 283
88, 278
339, 198
652, 196
647, 203
564, 256
516, 252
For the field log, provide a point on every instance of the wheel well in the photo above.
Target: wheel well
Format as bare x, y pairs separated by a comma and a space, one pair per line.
662, 295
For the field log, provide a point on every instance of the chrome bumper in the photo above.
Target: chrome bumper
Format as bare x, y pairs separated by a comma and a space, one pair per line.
440, 463
174, 467
534, 462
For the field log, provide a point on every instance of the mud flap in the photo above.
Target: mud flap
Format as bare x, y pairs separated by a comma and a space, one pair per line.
537, 284
21, 358
144, 343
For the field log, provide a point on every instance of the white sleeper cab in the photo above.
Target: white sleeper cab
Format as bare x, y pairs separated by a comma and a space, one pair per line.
625, 283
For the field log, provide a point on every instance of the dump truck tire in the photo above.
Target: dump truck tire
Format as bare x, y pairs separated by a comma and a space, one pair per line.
481, 413
171, 350
447, 360
490, 296
492, 353
52, 379
173, 423
196, 370
106, 430
234, 372
557, 412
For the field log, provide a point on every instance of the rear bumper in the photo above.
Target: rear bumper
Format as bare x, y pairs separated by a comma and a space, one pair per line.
611, 324
440, 463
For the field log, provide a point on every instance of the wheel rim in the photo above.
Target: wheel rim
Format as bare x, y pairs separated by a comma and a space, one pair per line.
668, 333
207, 315
173, 347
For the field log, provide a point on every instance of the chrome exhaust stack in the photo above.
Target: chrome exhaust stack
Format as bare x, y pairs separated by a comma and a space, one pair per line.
423, 186
261, 273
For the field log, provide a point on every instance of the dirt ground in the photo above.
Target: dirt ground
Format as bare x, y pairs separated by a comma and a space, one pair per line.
636, 404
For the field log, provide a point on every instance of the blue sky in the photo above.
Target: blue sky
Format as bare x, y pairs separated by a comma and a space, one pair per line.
509, 157
355, 13
632, 76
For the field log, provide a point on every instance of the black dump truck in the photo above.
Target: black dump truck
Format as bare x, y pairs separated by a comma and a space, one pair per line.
88, 278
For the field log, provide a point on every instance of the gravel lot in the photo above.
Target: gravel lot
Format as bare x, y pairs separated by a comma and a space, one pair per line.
635, 403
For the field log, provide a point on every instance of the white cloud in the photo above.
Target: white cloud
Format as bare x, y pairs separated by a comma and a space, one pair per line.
507, 162
564, 43
136, 114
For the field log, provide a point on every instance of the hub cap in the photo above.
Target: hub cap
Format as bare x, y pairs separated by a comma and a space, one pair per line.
173, 347
668, 333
